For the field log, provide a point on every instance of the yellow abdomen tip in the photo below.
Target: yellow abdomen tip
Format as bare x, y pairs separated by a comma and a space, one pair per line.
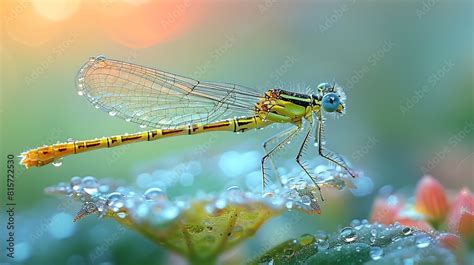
37, 157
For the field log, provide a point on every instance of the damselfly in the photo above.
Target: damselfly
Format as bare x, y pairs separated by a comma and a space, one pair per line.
178, 105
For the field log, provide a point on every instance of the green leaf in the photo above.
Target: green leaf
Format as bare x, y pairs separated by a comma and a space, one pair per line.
362, 244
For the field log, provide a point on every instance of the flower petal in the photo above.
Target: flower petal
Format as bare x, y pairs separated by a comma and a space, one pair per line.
431, 199
385, 210
450, 241
461, 217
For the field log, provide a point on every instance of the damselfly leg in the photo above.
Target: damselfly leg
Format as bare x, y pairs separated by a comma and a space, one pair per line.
275, 138
302, 150
326, 153
290, 134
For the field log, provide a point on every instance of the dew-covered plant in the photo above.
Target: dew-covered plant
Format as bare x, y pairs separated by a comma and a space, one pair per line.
202, 227
363, 243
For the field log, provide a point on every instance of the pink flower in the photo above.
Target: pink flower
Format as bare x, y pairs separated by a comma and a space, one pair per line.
450, 241
430, 212
461, 216
385, 210
431, 199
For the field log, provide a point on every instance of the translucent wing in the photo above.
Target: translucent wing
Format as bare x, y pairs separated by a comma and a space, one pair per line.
159, 99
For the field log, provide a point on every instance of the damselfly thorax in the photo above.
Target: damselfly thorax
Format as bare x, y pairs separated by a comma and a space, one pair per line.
177, 105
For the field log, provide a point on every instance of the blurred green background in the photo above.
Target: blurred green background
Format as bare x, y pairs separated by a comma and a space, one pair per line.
407, 67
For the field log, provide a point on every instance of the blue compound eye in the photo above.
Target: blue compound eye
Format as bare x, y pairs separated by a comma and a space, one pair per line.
330, 102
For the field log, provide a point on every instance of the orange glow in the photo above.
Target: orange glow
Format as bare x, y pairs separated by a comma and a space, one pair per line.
24, 25
148, 24
56, 10
135, 24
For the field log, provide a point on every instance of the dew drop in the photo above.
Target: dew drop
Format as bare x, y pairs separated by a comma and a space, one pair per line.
142, 126
80, 93
422, 241
233, 189
372, 240
57, 163
220, 204
355, 222
348, 234
122, 215
306, 239
112, 113
323, 245
116, 205
373, 232
99, 58
321, 236
268, 195
128, 119
170, 212
289, 204
407, 231
113, 197
306, 200
154, 194
104, 188
89, 185
76, 183
375, 253
97, 106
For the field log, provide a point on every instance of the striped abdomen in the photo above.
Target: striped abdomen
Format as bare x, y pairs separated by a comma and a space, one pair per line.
47, 154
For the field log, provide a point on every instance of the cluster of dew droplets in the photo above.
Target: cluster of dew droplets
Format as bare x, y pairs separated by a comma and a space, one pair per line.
106, 198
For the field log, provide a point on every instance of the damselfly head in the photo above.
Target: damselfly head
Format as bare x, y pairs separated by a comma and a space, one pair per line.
332, 97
